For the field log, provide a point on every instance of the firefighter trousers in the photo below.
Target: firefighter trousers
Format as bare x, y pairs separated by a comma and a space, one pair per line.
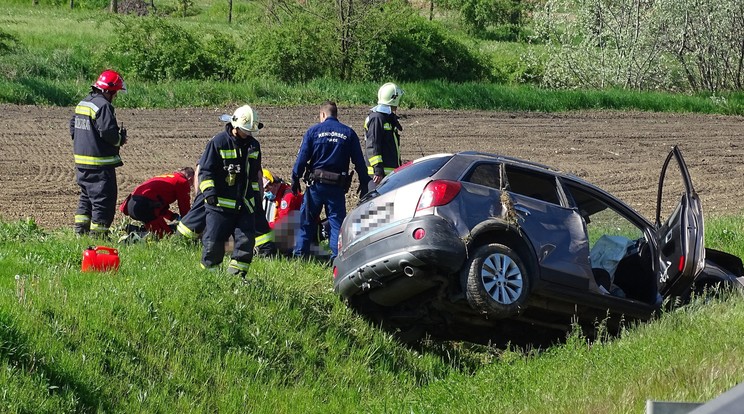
219, 226
193, 223
97, 204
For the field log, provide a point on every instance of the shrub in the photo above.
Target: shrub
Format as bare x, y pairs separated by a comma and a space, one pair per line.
417, 49
153, 49
292, 50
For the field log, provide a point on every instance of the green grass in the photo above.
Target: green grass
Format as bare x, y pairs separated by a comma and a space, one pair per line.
58, 55
160, 335
434, 94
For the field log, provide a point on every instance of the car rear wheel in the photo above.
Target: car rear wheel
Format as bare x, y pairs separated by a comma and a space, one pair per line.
497, 281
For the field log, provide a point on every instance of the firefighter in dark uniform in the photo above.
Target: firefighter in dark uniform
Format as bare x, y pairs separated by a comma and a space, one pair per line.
192, 224
382, 133
325, 152
230, 163
96, 137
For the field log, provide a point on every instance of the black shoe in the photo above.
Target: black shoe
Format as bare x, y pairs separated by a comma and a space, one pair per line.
266, 250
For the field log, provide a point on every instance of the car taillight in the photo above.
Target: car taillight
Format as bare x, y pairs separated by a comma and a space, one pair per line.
335, 272
339, 244
438, 193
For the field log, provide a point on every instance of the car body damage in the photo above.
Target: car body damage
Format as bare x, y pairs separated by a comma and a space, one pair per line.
457, 244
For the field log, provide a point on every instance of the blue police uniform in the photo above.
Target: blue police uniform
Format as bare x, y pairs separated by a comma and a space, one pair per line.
326, 149
225, 172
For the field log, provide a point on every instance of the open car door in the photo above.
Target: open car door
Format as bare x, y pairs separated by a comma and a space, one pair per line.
681, 252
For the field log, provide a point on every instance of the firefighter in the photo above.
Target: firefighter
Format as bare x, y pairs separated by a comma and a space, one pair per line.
382, 133
192, 224
97, 137
150, 201
325, 152
229, 165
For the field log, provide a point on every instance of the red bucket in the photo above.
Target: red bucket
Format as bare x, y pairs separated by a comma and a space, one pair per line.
100, 259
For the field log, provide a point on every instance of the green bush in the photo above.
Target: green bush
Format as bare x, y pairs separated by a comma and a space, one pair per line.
492, 19
417, 49
292, 51
153, 49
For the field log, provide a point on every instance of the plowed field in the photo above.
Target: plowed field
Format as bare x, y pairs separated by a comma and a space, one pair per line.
621, 152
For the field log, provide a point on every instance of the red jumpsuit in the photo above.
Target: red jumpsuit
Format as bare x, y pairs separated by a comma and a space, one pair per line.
150, 201
285, 202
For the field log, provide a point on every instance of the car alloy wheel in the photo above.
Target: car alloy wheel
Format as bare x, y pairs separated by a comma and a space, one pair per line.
497, 283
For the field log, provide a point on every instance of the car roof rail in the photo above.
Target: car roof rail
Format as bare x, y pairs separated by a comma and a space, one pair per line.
510, 159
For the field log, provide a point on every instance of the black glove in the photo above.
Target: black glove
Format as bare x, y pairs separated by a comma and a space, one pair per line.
296, 187
211, 200
122, 136
379, 170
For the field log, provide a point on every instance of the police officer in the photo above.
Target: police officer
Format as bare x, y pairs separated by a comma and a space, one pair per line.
325, 152
96, 137
230, 163
382, 133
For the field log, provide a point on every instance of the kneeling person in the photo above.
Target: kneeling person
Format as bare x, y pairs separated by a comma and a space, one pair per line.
150, 201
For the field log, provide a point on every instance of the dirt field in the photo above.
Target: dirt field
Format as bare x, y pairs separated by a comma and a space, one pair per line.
621, 152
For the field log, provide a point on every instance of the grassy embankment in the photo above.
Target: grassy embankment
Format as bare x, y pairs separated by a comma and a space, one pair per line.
163, 336
56, 61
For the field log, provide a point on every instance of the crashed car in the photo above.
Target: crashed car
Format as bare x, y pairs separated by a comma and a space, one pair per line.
475, 242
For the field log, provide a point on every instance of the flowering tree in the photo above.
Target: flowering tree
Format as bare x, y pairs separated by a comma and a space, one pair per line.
644, 44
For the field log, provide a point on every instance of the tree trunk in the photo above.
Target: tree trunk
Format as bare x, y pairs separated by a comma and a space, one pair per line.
431, 10
114, 6
229, 11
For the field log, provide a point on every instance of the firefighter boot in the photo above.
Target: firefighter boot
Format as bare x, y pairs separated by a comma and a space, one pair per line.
82, 224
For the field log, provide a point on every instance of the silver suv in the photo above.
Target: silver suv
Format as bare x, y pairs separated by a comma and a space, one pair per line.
451, 242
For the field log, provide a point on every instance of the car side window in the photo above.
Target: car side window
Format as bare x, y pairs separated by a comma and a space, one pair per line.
532, 184
486, 174
601, 219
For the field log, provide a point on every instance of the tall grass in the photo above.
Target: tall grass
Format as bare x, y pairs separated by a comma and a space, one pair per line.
160, 335
435, 94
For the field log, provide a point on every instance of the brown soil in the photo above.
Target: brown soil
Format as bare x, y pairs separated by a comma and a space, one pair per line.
619, 151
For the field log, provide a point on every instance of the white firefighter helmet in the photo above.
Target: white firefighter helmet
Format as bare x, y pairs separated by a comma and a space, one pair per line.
246, 119
389, 94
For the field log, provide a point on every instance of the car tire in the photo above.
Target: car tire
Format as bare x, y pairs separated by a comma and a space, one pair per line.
497, 281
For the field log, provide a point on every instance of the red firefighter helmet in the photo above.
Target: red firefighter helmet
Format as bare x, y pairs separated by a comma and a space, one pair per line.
110, 81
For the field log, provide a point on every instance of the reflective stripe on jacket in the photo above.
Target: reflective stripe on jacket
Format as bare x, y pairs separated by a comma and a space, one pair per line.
95, 133
382, 142
227, 169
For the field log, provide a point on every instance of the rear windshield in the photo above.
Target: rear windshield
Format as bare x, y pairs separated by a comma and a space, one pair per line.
412, 173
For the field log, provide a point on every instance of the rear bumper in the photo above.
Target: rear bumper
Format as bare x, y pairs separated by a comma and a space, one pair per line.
375, 263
